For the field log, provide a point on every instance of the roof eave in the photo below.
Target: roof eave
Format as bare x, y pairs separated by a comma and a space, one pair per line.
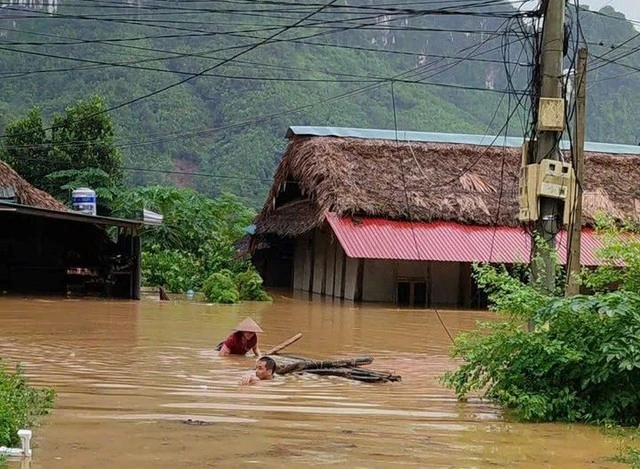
73, 216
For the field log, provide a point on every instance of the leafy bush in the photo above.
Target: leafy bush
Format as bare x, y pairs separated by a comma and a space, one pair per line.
172, 269
221, 288
249, 285
581, 364
195, 241
622, 247
581, 361
20, 405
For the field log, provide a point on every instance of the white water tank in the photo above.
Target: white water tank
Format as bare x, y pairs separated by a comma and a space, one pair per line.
83, 200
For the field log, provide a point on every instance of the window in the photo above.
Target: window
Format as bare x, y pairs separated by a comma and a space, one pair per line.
411, 293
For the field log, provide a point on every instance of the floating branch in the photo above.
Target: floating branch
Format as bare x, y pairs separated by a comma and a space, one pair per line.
345, 368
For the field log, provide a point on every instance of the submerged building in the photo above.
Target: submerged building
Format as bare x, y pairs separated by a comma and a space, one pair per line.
374, 215
45, 248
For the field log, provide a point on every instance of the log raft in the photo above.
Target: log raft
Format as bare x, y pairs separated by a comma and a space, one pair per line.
349, 368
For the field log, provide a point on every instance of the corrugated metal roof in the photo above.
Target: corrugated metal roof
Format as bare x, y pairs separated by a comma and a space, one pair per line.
461, 139
377, 238
70, 215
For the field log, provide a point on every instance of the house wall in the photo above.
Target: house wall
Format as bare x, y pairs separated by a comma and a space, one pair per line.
299, 258
320, 261
351, 278
330, 271
379, 281
445, 283
340, 268
40, 255
380, 277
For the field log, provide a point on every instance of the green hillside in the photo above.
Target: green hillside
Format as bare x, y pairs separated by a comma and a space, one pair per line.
229, 122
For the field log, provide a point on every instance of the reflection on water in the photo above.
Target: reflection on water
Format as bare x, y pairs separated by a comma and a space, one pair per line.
140, 387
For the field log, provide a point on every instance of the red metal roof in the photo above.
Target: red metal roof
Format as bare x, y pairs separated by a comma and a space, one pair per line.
378, 238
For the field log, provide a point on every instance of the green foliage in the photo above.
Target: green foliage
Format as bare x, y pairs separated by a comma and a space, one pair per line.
193, 248
581, 362
249, 285
220, 287
25, 148
508, 294
621, 257
227, 287
20, 405
177, 271
78, 150
95, 178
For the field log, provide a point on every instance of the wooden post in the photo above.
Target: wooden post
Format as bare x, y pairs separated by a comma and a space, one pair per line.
575, 229
136, 275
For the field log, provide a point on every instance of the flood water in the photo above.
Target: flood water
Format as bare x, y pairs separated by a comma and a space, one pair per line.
129, 374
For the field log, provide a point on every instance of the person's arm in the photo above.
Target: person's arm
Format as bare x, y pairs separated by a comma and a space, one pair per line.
256, 351
249, 379
224, 351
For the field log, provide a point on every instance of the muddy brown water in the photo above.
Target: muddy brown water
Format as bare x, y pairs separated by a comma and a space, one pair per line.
129, 374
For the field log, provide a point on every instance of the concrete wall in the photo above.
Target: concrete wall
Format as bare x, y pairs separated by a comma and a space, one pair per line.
445, 283
380, 277
320, 260
350, 278
412, 270
379, 281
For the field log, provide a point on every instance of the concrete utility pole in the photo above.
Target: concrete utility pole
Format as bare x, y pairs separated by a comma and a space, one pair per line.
575, 230
551, 71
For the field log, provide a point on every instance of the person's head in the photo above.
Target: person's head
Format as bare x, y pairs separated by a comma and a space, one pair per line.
247, 329
265, 368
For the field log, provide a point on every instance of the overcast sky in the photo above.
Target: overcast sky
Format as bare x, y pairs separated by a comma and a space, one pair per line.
630, 8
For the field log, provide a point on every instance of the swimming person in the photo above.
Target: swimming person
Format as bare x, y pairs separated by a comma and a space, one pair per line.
243, 339
265, 368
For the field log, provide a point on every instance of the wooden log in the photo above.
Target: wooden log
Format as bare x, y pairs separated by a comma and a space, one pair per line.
287, 365
357, 374
284, 344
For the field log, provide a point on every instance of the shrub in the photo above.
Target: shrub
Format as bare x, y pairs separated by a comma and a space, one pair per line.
172, 269
249, 285
580, 363
20, 405
221, 288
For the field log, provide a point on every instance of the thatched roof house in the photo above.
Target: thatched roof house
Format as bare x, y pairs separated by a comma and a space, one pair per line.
383, 216
424, 177
24, 192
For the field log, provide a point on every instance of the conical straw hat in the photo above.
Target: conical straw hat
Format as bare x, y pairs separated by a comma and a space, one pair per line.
248, 325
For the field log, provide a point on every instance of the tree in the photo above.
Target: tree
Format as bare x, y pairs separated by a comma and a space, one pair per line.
194, 246
78, 150
26, 148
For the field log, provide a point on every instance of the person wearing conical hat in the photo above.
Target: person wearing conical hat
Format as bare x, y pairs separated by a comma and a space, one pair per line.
241, 340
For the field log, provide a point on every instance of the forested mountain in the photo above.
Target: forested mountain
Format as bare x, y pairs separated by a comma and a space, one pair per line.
227, 121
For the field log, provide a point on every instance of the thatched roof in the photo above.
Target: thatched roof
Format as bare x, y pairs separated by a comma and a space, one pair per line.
423, 181
26, 193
